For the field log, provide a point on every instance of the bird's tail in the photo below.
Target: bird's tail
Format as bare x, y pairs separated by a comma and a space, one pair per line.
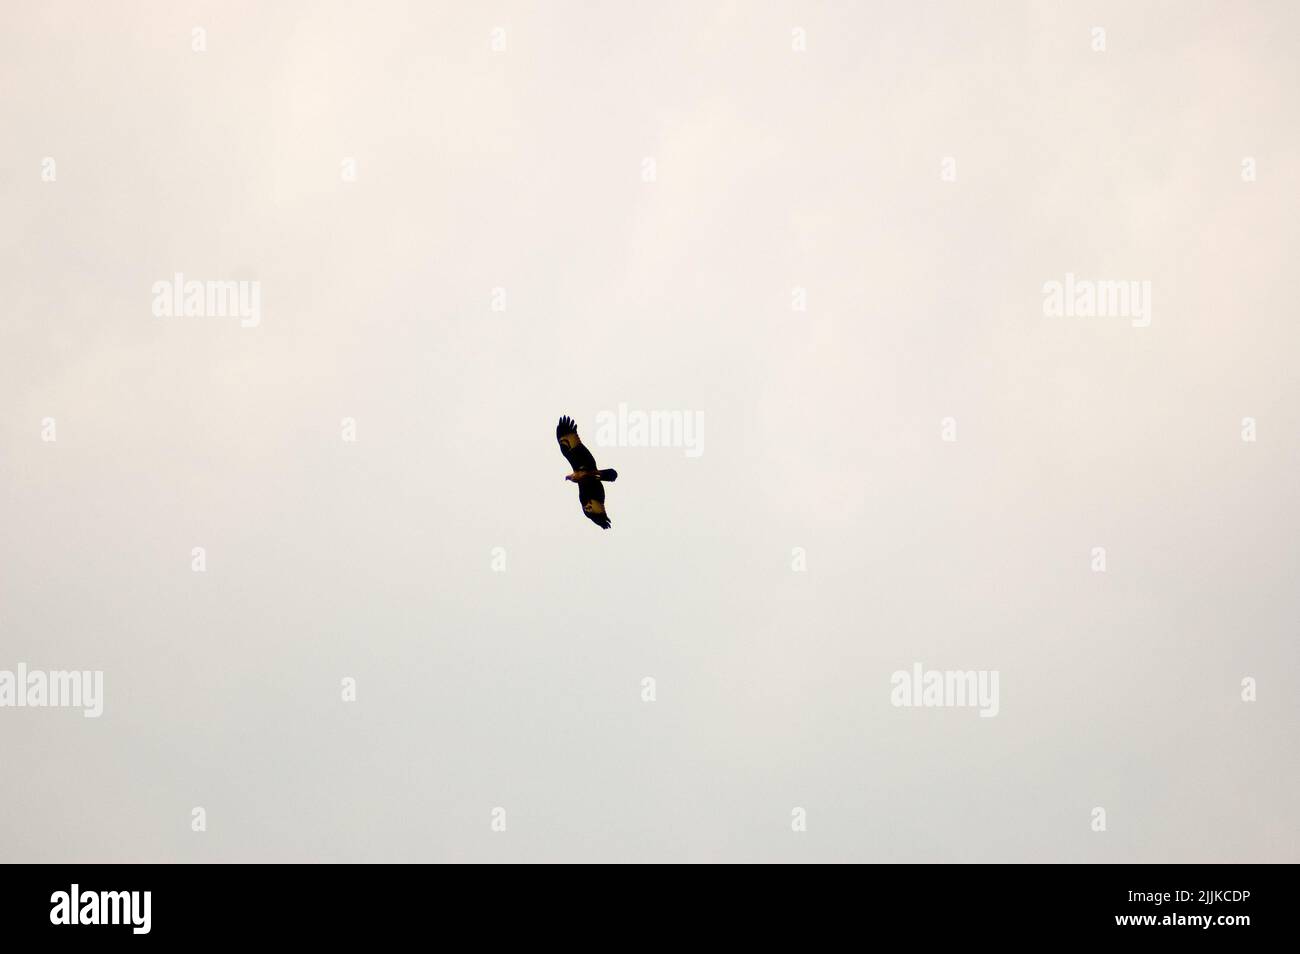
610, 475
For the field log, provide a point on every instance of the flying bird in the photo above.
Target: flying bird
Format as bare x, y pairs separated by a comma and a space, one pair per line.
590, 490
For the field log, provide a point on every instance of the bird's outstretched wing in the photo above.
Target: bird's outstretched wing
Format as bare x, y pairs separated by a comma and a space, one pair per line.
592, 494
579, 458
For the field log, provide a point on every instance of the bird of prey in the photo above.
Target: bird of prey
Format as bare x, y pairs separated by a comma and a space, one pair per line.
590, 490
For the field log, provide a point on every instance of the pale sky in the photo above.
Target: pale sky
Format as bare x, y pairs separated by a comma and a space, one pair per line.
521, 687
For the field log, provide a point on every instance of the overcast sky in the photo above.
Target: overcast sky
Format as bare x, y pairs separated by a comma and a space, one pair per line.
455, 243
